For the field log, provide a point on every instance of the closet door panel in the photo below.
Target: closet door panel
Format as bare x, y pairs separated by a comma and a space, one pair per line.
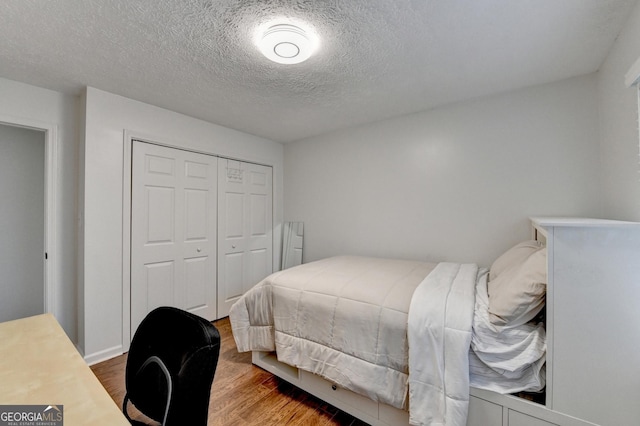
196, 282
245, 218
160, 211
234, 276
157, 288
260, 266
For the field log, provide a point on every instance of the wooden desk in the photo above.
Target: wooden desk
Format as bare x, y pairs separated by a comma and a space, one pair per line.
39, 365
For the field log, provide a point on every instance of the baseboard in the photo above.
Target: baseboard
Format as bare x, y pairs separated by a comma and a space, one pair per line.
103, 355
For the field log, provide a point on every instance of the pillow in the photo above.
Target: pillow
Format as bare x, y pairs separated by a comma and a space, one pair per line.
514, 256
517, 294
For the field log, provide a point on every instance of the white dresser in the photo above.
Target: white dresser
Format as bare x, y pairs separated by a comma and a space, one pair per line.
593, 330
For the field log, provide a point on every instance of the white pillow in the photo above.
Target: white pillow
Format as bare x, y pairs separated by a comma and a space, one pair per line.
517, 293
514, 256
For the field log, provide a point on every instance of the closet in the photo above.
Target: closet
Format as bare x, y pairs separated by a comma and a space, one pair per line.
201, 230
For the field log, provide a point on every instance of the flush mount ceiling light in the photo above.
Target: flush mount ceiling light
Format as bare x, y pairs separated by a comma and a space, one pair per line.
286, 43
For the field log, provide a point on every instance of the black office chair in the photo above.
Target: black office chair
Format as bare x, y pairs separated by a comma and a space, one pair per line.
170, 367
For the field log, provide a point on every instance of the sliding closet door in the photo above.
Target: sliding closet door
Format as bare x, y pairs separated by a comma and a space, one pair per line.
245, 218
173, 231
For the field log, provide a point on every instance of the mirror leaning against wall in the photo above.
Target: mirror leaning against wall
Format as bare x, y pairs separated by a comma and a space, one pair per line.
292, 241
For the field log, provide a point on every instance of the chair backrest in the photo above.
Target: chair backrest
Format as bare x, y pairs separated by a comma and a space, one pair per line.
189, 347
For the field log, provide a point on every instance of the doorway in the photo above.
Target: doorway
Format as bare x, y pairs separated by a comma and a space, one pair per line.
22, 221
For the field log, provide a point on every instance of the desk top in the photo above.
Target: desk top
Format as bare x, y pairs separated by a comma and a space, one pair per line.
39, 365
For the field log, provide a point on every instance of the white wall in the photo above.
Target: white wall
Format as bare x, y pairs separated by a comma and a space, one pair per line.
24, 103
619, 125
455, 183
107, 117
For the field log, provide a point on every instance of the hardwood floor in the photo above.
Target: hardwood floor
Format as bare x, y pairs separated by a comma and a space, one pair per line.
242, 394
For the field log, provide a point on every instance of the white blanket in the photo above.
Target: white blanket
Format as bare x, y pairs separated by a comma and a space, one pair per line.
439, 333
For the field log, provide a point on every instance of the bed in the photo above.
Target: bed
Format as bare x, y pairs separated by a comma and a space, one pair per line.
398, 332
406, 342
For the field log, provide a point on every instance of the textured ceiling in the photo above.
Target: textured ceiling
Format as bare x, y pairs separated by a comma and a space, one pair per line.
377, 59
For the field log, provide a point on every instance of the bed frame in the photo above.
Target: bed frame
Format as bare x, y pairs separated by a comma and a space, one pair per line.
593, 374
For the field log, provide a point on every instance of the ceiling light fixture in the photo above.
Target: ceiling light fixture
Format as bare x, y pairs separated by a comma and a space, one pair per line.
286, 43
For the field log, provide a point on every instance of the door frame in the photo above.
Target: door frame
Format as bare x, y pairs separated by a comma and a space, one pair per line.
51, 163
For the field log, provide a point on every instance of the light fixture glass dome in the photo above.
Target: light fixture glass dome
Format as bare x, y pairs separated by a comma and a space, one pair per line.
286, 43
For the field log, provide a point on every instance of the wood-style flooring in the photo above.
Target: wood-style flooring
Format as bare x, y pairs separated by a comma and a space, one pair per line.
242, 394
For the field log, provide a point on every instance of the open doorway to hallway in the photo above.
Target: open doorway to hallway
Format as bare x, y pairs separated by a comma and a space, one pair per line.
22, 222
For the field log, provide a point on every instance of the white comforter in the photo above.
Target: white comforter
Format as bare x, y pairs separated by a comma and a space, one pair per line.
345, 318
